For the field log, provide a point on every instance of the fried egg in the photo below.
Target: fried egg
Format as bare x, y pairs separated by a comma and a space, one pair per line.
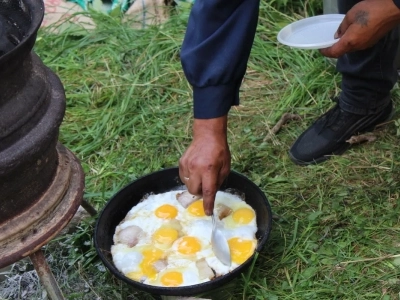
242, 213
241, 249
187, 246
194, 212
137, 263
200, 229
162, 206
179, 276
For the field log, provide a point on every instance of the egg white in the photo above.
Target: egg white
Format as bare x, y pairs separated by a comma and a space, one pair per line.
244, 232
199, 228
126, 259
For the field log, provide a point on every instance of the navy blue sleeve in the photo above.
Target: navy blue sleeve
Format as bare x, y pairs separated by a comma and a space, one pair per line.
215, 52
397, 3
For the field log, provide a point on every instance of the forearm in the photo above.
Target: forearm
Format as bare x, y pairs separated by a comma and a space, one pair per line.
215, 52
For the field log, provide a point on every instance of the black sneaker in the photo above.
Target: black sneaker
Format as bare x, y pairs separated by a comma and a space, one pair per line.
328, 135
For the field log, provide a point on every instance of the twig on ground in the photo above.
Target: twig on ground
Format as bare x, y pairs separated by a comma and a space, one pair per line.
286, 117
345, 263
357, 139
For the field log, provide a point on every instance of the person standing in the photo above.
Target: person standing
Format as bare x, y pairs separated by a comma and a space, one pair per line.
214, 57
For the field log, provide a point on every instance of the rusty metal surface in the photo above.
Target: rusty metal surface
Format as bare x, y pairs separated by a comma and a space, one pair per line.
42, 223
43, 206
46, 276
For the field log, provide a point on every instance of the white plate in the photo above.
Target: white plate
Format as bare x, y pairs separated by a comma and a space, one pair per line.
311, 33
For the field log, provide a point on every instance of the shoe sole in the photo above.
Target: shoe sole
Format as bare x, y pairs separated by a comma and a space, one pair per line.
321, 159
341, 149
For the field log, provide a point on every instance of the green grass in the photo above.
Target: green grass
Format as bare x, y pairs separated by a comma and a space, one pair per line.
129, 113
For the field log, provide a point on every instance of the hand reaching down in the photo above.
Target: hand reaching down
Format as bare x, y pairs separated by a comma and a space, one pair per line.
206, 163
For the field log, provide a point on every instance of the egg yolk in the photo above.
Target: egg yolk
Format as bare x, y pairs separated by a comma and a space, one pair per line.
240, 249
150, 256
165, 236
196, 209
243, 215
172, 278
166, 211
189, 245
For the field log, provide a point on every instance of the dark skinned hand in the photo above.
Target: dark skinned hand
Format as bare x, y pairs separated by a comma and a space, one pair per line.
206, 163
363, 26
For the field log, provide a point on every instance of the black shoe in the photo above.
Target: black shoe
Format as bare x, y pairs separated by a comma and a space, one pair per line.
328, 135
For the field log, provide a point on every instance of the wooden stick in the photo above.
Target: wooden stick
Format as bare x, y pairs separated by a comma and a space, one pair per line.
286, 117
357, 139
369, 259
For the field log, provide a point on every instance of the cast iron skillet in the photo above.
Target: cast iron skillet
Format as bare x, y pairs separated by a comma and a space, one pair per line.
164, 181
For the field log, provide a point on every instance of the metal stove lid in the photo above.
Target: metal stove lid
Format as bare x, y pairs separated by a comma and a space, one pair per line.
19, 22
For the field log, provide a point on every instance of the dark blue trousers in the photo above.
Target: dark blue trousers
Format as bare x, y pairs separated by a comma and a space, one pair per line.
368, 75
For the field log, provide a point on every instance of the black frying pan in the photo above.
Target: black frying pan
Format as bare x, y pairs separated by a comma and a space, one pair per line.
163, 181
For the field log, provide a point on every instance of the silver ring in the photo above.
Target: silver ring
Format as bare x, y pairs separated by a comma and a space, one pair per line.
186, 178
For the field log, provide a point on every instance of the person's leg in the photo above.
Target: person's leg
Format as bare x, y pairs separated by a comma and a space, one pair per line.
367, 79
369, 75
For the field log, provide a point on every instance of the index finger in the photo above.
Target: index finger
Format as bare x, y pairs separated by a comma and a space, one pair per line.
339, 48
210, 187
344, 25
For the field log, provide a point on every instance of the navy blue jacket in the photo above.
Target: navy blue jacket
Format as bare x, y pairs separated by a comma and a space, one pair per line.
215, 52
